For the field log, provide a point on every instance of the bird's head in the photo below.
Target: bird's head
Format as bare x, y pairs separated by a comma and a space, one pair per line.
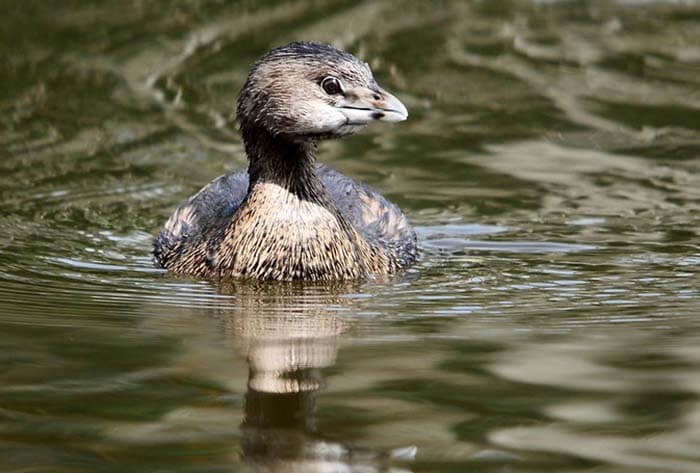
312, 90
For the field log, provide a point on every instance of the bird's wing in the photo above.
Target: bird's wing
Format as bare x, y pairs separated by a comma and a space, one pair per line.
377, 219
210, 207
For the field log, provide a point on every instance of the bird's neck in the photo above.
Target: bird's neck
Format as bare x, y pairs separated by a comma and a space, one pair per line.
282, 161
289, 227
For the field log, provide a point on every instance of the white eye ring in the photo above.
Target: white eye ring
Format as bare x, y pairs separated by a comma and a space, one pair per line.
331, 85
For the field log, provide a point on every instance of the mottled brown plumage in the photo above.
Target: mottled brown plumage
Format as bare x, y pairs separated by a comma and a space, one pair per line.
290, 218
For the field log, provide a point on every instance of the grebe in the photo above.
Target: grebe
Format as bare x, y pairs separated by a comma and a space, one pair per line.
288, 217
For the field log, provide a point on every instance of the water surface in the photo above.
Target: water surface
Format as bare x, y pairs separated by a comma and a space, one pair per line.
550, 165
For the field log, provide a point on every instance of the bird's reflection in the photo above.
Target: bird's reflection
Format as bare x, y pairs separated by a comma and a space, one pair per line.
288, 334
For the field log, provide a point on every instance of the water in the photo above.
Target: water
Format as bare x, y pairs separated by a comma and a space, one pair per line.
550, 165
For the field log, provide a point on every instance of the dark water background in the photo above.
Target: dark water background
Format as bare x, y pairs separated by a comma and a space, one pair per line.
550, 164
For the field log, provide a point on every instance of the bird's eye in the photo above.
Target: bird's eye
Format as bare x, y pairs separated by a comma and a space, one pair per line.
331, 85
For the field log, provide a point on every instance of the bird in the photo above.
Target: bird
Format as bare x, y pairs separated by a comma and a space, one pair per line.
289, 217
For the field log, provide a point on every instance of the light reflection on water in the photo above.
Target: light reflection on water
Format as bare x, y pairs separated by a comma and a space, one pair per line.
550, 166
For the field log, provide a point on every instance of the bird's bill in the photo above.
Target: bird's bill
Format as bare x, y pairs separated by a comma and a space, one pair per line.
362, 105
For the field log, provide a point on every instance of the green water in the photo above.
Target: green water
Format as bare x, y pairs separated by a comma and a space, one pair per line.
550, 165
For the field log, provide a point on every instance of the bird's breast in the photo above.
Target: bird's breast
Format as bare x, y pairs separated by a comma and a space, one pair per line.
276, 234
